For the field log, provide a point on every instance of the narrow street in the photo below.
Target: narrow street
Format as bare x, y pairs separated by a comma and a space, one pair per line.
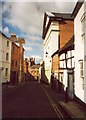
28, 100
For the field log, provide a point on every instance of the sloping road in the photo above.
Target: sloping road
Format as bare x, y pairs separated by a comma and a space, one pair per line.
28, 100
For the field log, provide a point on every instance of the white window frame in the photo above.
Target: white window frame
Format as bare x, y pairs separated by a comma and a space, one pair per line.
6, 72
83, 26
7, 43
81, 69
7, 56
82, 72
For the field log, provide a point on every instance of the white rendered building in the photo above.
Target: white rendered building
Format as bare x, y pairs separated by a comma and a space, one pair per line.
80, 50
50, 42
5, 58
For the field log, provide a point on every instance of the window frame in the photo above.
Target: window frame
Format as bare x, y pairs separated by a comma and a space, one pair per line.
8, 43
7, 56
82, 69
6, 72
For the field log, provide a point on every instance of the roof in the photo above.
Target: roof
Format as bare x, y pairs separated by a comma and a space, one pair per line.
35, 66
63, 15
54, 17
68, 46
4, 35
77, 7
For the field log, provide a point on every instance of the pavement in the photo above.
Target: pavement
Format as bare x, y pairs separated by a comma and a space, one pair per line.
72, 108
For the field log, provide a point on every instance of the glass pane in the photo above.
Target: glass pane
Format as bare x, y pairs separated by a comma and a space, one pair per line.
81, 65
81, 73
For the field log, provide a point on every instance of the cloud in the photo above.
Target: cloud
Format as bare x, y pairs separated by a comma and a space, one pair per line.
28, 48
6, 29
34, 38
27, 18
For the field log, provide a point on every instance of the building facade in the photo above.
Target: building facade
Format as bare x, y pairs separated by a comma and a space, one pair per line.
15, 61
17, 58
80, 50
66, 67
5, 57
33, 69
57, 31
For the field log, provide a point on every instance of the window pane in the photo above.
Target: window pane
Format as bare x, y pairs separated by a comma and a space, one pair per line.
81, 65
12, 49
7, 43
6, 72
83, 26
81, 72
7, 56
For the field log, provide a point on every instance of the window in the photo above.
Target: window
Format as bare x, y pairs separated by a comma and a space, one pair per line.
6, 72
7, 56
12, 49
61, 77
82, 73
83, 26
7, 43
16, 63
81, 69
12, 62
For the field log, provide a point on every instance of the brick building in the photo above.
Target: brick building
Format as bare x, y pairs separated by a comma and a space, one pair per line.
15, 63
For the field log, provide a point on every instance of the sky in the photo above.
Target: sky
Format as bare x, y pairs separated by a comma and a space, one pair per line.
25, 19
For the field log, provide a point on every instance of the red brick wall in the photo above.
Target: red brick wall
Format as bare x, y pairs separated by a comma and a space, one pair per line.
16, 57
55, 62
66, 31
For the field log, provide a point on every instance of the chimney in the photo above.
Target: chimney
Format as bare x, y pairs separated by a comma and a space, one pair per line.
13, 35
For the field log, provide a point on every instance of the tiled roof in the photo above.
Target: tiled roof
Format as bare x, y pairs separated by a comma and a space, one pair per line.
54, 17
35, 66
4, 35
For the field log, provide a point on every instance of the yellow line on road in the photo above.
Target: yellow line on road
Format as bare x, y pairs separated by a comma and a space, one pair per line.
53, 105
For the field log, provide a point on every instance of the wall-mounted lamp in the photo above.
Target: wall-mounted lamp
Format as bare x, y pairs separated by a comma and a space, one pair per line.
2, 68
46, 53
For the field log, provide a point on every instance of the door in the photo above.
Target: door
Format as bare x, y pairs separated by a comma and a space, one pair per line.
13, 77
70, 85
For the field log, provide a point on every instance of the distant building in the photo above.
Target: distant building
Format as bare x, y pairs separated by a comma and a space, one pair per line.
79, 14
31, 61
33, 69
5, 57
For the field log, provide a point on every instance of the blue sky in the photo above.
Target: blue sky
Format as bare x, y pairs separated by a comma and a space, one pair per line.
26, 20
